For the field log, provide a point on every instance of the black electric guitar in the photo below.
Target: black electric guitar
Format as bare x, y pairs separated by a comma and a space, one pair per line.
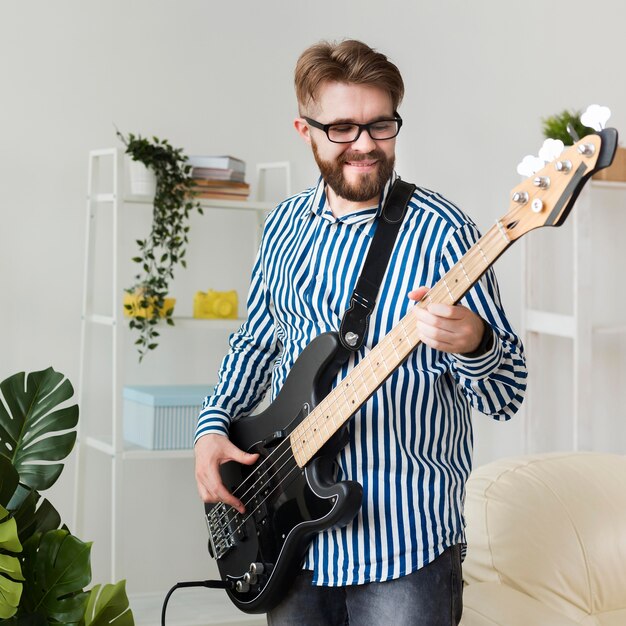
289, 493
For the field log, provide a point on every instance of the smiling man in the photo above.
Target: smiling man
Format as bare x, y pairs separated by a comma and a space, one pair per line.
410, 445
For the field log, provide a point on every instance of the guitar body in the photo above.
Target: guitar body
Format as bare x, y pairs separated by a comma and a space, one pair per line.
262, 550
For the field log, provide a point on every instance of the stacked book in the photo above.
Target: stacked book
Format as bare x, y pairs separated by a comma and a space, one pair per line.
219, 177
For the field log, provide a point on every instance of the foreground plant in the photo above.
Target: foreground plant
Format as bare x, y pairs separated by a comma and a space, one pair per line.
44, 569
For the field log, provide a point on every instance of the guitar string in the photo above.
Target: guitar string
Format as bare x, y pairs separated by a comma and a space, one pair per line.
469, 264
441, 286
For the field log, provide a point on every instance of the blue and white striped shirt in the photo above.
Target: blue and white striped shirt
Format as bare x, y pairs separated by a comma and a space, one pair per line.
411, 443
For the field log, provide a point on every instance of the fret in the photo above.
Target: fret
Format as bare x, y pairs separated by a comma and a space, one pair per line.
327, 415
380, 358
373, 369
407, 320
483, 253
503, 231
367, 386
462, 265
445, 282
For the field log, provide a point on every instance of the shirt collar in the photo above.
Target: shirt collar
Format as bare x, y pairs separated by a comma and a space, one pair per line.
319, 205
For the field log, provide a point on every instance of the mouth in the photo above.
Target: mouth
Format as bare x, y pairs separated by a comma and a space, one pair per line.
362, 164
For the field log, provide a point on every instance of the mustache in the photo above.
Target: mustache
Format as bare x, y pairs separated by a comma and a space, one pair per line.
361, 156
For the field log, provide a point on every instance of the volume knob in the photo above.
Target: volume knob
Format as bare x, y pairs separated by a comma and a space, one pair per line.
242, 587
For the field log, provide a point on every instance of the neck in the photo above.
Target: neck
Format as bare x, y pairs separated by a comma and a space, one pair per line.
340, 206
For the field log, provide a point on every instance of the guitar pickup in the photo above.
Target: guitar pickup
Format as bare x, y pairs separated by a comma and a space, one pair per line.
274, 438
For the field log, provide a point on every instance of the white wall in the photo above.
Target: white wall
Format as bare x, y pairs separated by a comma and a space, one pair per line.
217, 78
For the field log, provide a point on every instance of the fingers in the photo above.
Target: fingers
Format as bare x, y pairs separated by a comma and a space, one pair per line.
418, 294
211, 452
447, 328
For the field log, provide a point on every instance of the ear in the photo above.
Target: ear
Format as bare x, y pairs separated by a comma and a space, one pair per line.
303, 129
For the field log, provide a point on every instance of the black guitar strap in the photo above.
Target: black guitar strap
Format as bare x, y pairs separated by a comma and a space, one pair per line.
355, 321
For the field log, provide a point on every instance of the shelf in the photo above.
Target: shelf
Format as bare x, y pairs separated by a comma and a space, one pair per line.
550, 323
563, 325
208, 324
226, 205
103, 197
137, 452
608, 184
104, 320
610, 330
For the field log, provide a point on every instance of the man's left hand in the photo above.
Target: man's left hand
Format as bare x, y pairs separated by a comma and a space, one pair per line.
454, 329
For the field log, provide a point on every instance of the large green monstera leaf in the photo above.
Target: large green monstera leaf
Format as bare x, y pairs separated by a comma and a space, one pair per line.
107, 605
34, 432
10, 570
56, 570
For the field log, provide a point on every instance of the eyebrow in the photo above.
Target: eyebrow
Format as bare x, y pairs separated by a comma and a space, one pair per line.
346, 120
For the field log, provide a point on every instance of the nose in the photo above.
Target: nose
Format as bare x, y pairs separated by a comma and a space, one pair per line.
364, 142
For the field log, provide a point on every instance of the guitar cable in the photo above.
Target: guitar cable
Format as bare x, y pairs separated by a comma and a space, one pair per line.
211, 584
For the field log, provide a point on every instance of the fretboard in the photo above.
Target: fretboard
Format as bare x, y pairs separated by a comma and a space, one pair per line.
372, 371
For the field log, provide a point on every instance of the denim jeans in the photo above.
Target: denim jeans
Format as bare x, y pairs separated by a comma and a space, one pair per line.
431, 596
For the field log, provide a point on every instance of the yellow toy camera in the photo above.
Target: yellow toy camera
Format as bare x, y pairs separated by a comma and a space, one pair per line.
215, 305
132, 306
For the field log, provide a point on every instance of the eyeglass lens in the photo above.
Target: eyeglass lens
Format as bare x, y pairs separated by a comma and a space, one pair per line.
347, 133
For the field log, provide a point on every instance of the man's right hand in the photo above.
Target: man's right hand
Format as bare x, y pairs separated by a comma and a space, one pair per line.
211, 451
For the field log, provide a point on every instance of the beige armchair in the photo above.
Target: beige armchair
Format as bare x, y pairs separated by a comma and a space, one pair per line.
547, 541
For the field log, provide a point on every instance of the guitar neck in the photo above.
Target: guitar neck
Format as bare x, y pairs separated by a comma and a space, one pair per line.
363, 380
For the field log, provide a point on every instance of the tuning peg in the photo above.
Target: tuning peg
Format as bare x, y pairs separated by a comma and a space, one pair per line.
596, 116
530, 165
543, 182
586, 149
572, 133
551, 149
563, 166
520, 197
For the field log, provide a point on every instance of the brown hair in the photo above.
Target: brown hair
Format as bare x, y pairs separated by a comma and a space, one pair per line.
348, 61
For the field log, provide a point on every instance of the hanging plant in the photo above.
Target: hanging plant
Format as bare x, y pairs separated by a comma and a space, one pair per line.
165, 246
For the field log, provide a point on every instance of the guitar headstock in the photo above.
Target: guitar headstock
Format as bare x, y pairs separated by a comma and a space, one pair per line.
547, 197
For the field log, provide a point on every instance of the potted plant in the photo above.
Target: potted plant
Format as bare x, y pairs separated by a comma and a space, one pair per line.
164, 248
44, 569
556, 126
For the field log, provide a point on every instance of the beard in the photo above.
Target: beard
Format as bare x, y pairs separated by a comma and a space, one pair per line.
368, 187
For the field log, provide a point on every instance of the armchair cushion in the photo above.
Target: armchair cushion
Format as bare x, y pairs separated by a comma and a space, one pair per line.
551, 527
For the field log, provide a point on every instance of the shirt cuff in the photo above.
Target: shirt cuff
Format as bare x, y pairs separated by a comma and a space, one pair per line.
212, 422
477, 367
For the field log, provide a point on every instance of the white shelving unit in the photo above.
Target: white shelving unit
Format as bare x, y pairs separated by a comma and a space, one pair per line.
574, 323
107, 207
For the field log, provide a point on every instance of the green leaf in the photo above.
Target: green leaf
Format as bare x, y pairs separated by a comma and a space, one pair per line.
31, 426
107, 605
34, 514
10, 570
9, 480
57, 569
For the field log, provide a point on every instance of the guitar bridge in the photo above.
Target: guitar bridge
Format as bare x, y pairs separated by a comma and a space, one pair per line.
225, 526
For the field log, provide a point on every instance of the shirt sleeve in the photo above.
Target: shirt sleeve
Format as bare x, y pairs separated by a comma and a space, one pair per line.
494, 382
245, 372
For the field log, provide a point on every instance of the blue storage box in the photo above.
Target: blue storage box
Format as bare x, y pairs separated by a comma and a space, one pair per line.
162, 417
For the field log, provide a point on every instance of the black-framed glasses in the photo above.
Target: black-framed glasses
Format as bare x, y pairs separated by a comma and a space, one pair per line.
349, 132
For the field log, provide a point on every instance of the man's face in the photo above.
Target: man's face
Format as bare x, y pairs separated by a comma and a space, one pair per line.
355, 171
